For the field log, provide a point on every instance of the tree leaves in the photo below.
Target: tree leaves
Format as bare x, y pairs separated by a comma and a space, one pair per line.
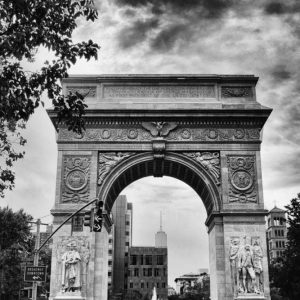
285, 271
26, 25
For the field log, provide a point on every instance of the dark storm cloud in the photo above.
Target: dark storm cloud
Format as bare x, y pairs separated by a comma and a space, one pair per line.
178, 20
282, 7
136, 33
281, 72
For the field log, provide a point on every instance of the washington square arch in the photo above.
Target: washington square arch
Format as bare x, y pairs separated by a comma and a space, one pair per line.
205, 130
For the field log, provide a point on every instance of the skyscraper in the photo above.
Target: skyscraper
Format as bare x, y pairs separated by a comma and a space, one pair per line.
122, 218
161, 236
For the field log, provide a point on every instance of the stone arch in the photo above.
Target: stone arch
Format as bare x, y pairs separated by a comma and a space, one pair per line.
175, 165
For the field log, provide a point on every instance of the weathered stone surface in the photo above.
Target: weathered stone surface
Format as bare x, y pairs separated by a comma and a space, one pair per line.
204, 130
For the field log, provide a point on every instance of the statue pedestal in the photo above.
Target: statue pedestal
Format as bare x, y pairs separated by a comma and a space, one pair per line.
250, 297
69, 296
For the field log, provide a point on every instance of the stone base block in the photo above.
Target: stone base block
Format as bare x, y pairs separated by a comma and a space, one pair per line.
69, 296
250, 297
66, 297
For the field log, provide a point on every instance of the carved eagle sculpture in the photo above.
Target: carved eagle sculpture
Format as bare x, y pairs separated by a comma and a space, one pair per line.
159, 128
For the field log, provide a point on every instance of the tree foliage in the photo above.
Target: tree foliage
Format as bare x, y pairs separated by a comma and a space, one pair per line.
285, 271
15, 242
25, 26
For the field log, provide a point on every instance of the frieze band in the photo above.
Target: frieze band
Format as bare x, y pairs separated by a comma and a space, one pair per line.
140, 133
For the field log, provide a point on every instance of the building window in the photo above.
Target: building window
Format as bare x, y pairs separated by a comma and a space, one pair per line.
131, 285
160, 260
157, 285
109, 262
77, 223
133, 259
126, 243
127, 232
109, 274
148, 260
142, 259
147, 285
144, 272
126, 254
165, 272
127, 223
110, 251
163, 285
136, 272
142, 285
110, 241
156, 272
150, 272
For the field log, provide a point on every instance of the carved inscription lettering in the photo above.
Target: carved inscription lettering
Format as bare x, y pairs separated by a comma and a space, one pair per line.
76, 177
135, 91
210, 161
242, 174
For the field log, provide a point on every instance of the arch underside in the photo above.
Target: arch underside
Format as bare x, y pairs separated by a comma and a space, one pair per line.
174, 165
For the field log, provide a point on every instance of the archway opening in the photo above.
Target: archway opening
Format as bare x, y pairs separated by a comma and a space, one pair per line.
183, 218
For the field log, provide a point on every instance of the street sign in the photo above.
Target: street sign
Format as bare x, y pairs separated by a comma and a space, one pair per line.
35, 273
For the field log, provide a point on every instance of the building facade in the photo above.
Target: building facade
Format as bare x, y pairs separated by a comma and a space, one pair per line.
276, 233
119, 245
148, 268
187, 281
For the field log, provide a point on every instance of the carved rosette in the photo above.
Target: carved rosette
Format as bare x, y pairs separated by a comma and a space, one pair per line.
210, 161
242, 178
177, 133
108, 160
76, 179
247, 274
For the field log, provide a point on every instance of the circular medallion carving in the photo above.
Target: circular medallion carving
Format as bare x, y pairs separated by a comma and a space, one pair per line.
185, 134
212, 134
132, 134
241, 180
106, 134
76, 180
239, 133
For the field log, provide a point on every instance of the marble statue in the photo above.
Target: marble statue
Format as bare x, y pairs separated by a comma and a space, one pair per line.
246, 266
71, 269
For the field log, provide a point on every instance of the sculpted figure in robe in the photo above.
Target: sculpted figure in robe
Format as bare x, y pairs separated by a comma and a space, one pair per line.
71, 269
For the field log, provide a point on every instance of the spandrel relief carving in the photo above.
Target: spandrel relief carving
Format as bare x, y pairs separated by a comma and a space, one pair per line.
242, 178
72, 259
246, 266
210, 161
107, 161
76, 177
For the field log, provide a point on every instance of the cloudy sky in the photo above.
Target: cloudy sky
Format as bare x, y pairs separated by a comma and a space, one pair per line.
259, 37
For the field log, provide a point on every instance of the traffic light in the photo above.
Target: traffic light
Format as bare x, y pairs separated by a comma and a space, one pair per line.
98, 219
89, 218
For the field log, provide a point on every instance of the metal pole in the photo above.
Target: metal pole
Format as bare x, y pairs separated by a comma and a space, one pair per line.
36, 256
